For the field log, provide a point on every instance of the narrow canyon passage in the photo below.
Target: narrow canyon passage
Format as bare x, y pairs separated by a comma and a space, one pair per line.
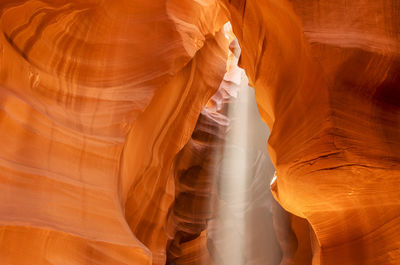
186, 132
242, 231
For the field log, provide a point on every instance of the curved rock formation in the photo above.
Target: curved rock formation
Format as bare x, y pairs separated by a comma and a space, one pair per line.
327, 83
97, 98
109, 131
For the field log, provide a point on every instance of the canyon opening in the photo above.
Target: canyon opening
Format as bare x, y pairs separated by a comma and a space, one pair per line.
200, 132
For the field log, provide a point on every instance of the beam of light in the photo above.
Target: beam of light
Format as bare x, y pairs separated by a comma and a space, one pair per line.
233, 179
242, 233
233, 172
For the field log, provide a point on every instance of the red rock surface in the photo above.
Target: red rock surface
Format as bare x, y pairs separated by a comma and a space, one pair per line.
326, 75
97, 98
109, 131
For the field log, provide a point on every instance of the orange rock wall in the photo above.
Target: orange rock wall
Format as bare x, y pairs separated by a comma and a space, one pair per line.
327, 83
99, 116
96, 99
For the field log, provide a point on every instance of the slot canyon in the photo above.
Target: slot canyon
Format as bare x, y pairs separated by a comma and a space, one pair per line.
200, 132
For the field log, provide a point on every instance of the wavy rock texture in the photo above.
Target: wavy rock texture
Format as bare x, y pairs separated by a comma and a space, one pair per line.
326, 75
97, 98
106, 159
196, 186
197, 168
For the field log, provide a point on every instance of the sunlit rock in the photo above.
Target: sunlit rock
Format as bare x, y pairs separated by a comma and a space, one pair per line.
96, 99
327, 84
114, 120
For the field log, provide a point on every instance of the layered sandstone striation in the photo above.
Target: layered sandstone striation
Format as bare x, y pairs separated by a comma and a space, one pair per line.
97, 99
326, 76
113, 116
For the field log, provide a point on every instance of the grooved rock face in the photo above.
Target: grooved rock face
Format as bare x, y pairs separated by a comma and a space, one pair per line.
111, 113
96, 99
326, 75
